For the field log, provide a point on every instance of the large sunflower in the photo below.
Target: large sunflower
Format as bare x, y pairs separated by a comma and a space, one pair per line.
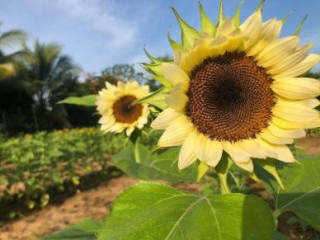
115, 105
236, 88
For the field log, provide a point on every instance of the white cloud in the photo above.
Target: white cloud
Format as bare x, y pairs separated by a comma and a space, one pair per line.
100, 15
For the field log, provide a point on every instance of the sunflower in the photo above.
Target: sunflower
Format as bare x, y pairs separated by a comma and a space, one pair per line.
115, 104
235, 88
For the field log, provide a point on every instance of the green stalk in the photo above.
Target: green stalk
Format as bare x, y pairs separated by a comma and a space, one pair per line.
224, 186
222, 170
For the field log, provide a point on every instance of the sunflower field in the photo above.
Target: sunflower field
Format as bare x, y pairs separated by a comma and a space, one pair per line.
221, 142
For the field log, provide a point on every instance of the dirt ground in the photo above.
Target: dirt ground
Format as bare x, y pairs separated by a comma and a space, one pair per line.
94, 203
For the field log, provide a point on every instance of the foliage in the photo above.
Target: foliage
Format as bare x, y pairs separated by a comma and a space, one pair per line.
16, 113
153, 166
315, 132
89, 100
7, 39
301, 194
153, 211
31, 165
85, 230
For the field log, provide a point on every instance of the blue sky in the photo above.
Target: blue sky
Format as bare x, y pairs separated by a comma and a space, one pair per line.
100, 33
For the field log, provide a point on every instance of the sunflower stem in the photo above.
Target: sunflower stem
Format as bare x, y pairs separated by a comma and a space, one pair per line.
223, 170
224, 186
136, 151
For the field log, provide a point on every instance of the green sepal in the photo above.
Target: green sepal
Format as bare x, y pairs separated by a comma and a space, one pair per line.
206, 24
202, 170
162, 80
283, 20
174, 45
236, 18
260, 6
89, 100
156, 69
222, 170
156, 98
221, 14
270, 166
153, 59
296, 33
188, 33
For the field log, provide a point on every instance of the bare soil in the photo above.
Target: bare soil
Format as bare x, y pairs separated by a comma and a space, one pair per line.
310, 145
94, 203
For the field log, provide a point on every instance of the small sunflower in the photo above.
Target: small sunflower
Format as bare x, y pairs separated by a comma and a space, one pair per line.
114, 103
236, 88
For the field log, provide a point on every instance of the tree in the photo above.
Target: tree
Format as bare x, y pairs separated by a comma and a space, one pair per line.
126, 72
44, 69
9, 39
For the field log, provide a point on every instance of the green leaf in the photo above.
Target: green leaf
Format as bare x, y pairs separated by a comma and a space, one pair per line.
157, 98
153, 166
188, 33
280, 236
89, 100
85, 230
302, 189
150, 211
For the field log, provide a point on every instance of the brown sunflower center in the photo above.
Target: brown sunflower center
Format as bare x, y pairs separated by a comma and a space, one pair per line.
230, 97
124, 112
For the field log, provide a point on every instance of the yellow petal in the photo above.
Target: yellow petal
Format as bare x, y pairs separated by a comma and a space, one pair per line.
187, 153
285, 133
174, 74
177, 99
292, 125
295, 111
165, 118
248, 166
235, 41
277, 51
302, 67
270, 32
252, 29
176, 133
253, 148
269, 137
282, 151
235, 152
129, 131
208, 150
226, 27
296, 88
291, 61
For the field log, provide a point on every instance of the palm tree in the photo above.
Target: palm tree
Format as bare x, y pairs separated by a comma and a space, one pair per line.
44, 69
9, 39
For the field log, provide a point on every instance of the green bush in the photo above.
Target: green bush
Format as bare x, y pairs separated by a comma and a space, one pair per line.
31, 165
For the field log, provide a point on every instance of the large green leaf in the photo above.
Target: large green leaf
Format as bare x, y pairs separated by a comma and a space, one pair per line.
89, 100
84, 230
150, 211
280, 236
301, 193
155, 166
